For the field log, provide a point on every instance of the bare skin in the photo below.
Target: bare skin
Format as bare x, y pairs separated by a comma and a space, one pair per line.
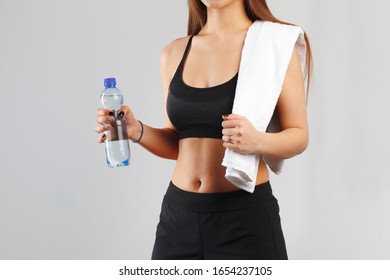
198, 167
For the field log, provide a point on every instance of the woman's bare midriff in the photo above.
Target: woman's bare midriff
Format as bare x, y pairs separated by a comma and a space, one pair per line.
198, 167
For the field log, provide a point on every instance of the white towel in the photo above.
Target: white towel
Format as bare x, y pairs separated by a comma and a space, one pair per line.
264, 61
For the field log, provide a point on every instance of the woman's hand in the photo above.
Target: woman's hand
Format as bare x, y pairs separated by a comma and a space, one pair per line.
105, 117
239, 134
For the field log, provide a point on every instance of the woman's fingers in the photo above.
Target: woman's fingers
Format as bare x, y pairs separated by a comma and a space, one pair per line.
102, 138
105, 119
226, 138
104, 116
103, 127
125, 109
231, 123
104, 112
229, 131
234, 116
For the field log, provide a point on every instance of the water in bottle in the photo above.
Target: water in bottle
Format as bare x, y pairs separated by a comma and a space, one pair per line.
117, 141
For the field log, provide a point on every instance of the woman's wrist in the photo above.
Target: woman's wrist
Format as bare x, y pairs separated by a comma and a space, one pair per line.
135, 131
284, 144
261, 142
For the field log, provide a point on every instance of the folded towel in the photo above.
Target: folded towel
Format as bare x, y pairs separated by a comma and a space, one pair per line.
264, 61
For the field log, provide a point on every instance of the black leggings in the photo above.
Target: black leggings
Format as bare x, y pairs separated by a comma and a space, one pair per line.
230, 225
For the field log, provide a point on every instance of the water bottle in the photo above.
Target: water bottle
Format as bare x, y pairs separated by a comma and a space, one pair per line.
117, 141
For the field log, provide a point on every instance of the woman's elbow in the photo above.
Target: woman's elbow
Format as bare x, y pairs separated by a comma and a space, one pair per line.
304, 141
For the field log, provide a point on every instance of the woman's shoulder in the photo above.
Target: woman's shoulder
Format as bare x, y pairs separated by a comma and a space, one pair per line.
281, 27
172, 53
175, 47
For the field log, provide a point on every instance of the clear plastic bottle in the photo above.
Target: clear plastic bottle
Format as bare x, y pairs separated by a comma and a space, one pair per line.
117, 141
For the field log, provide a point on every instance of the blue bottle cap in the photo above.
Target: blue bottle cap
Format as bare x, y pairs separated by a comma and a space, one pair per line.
109, 82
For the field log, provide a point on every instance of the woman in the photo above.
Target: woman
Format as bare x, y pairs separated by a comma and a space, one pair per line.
203, 215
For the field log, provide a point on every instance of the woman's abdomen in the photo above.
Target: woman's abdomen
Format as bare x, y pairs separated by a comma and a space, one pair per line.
199, 169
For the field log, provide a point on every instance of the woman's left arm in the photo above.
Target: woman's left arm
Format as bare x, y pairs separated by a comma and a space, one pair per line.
293, 138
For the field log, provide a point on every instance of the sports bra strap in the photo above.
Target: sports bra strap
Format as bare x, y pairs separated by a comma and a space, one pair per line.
186, 50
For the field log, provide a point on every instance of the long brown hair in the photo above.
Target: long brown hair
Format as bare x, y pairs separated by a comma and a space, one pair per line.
255, 10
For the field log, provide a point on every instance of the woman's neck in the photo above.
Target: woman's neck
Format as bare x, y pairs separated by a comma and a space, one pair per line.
229, 19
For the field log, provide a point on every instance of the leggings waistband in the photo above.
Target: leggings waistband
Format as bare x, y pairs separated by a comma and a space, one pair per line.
223, 201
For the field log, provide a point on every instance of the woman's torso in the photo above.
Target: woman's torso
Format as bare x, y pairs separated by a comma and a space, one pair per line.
203, 70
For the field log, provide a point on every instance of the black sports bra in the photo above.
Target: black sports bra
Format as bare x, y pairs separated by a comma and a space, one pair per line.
197, 112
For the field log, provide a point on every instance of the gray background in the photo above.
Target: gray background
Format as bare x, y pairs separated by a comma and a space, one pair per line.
58, 200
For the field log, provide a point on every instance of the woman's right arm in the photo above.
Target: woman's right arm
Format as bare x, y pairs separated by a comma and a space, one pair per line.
162, 142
